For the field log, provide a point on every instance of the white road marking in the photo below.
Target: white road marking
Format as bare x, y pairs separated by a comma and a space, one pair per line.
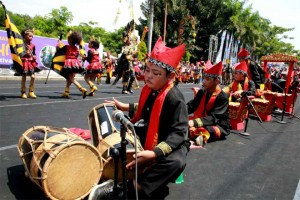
70, 100
297, 193
8, 147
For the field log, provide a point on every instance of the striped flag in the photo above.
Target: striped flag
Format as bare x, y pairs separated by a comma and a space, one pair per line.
59, 58
16, 42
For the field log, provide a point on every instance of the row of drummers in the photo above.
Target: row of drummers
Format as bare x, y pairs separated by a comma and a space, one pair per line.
264, 100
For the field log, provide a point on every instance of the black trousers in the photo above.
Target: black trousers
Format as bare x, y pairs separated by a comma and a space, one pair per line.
163, 172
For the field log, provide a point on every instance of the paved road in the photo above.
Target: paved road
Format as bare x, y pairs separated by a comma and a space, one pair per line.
264, 165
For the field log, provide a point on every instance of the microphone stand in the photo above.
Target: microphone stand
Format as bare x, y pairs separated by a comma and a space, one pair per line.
250, 105
115, 154
283, 111
124, 142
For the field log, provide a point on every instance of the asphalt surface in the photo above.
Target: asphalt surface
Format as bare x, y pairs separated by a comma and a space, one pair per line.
264, 165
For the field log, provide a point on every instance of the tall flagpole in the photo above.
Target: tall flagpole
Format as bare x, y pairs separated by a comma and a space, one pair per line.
165, 22
151, 6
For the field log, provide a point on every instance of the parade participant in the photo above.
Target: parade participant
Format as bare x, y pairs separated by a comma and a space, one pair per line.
72, 64
137, 72
197, 73
241, 83
210, 120
108, 68
94, 67
178, 76
255, 72
228, 74
30, 66
130, 51
164, 134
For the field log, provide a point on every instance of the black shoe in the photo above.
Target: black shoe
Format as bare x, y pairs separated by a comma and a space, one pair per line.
102, 191
130, 91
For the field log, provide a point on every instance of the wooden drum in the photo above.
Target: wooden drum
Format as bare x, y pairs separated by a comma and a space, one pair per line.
62, 164
261, 105
237, 114
233, 109
105, 135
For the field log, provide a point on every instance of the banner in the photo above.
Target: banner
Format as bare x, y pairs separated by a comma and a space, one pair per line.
219, 55
225, 57
234, 59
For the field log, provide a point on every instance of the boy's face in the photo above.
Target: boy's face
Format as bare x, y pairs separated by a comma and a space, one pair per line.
238, 76
210, 83
241, 59
156, 77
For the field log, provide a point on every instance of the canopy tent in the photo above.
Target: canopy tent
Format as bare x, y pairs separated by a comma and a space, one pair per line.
279, 57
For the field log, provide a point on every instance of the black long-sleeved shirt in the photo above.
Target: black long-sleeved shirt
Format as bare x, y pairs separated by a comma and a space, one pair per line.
218, 115
173, 122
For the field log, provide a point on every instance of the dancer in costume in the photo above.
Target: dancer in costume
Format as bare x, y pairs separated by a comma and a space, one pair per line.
72, 64
210, 107
95, 66
240, 84
129, 50
164, 134
129, 53
30, 66
108, 68
137, 72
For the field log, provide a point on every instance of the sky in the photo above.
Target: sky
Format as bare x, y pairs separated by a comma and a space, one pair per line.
283, 13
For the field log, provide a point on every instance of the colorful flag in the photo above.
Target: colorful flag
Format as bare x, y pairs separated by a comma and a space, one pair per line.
219, 55
59, 58
16, 42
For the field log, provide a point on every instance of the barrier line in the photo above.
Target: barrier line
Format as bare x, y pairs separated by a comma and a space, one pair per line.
8, 147
63, 101
70, 100
297, 193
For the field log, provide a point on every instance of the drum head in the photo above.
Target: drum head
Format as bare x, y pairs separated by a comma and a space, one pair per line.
73, 172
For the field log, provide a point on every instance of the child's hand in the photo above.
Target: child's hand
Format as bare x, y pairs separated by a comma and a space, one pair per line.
143, 158
119, 105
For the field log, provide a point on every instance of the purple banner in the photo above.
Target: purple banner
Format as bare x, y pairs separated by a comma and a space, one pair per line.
44, 49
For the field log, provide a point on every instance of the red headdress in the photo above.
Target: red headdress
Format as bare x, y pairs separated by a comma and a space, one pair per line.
213, 71
208, 64
165, 57
242, 67
243, 53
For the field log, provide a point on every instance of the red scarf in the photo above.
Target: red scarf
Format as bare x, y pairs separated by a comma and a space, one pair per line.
202, 109
152, 133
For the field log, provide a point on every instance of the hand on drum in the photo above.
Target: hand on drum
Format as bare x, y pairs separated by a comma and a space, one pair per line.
120, 105
238, 94
143, 157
